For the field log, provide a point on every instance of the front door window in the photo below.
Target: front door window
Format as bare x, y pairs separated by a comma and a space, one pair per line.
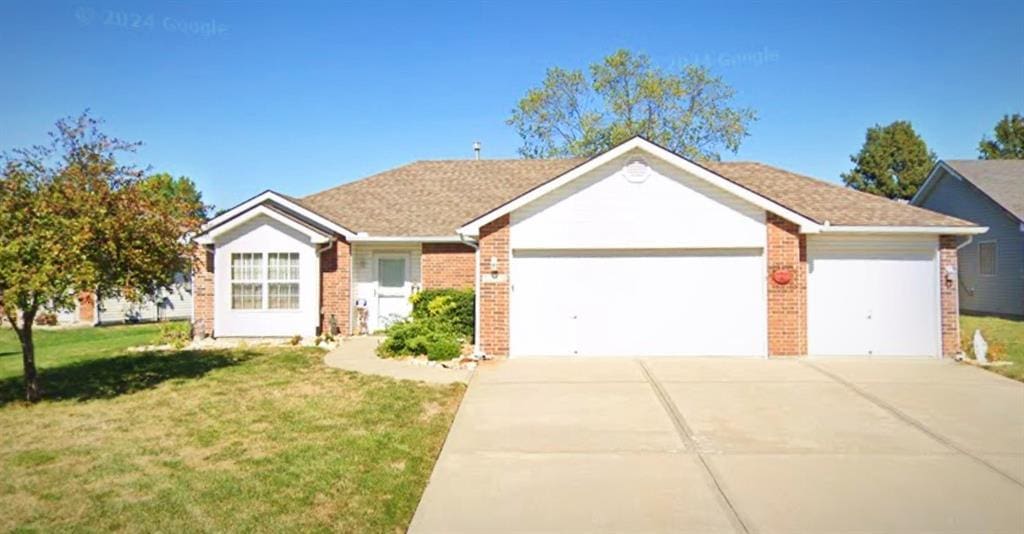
392, 290
392, 272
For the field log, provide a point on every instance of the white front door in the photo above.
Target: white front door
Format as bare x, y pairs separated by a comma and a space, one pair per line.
638, 303
393, 289
869, 296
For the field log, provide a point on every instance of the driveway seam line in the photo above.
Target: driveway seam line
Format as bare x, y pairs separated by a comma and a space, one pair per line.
912, 421
687, 436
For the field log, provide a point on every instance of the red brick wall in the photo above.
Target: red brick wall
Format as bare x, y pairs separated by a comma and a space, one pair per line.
202, 294
87, 307
787, 304
494, 292
448, 265
949, 296
335, 282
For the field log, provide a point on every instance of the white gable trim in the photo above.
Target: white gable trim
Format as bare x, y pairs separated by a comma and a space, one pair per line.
281, 200
314, 236
932, 179
472, 228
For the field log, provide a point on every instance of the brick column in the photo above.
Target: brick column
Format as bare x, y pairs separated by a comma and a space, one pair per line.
787, 303
335, 282
494, 289
949, 295
447, 265
202, 294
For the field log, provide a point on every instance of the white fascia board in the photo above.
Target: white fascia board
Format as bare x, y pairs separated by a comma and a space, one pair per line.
282, 201
929, 182
365, 238
943, 230
472, 228
315, 236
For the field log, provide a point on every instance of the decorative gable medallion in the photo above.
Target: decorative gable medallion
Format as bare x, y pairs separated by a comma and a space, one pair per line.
636, 171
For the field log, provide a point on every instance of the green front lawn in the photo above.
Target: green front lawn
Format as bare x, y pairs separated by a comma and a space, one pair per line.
239, 440
1005, 338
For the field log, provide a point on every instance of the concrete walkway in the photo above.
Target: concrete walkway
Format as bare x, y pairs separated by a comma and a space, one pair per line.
731, 445
359, 354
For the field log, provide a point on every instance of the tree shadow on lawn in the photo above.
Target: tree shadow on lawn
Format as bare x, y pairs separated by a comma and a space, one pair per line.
106, 378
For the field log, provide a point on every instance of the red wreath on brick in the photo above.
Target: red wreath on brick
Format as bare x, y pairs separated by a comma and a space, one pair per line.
782, 277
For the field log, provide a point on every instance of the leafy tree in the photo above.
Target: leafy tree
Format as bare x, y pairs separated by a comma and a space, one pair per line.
574, 113
179, 193
893, 162
72, 217
1009, 141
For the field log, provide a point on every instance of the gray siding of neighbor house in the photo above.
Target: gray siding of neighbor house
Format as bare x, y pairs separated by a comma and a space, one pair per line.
1004, 292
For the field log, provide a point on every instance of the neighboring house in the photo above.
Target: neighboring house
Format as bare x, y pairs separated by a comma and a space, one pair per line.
170, 304
990, 193
635, 252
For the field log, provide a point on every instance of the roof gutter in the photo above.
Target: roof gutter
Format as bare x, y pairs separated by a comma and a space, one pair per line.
944, 230
363, 237
477, 353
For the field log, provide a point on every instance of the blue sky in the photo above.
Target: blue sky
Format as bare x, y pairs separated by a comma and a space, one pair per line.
298, 97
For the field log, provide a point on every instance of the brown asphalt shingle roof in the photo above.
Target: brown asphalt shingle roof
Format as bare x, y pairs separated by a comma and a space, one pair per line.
434, 198
821, 201
1001, 179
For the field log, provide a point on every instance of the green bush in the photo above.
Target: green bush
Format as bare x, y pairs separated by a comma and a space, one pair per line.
444, 348
46, 319
418, 337
441, 321
452, 309
176, 334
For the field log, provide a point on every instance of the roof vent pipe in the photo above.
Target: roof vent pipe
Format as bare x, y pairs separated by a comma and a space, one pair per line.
476, 149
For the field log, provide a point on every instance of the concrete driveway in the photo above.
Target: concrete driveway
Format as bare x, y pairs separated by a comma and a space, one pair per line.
731, 445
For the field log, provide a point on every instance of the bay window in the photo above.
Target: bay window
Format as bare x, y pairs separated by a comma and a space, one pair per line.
265, 282
283, 281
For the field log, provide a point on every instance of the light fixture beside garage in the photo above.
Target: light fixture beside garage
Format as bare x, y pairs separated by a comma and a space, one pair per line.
636, 171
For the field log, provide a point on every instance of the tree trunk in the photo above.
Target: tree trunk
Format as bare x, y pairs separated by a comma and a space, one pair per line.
28, 358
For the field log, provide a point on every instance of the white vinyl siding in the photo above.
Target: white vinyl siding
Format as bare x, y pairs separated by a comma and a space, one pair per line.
366, 275
273, 272
612, 208
169, 304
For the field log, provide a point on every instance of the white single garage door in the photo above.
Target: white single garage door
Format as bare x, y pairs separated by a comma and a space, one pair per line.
873, 296
638, 303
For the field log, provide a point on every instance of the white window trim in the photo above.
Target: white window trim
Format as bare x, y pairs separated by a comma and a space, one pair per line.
246, 281
995, 260
264, 284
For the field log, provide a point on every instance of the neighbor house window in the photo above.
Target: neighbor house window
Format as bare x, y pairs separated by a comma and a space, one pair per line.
987, 257
247, 281
283, 280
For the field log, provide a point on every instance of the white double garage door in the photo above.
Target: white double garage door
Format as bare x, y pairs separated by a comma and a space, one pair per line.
865, 297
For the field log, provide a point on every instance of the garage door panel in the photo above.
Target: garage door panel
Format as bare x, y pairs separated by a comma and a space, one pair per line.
871, 296
638, 303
